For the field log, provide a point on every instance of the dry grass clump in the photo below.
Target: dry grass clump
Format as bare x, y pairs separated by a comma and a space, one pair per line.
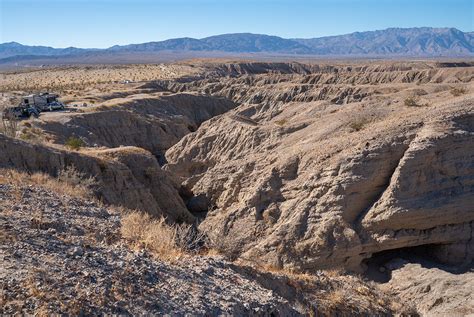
224, 245
335, 300
72, 185
32, 134
347, 295
329, 292
166, 241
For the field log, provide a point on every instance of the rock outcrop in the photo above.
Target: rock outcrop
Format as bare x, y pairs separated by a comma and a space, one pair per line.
429, 198
265, 86
313, 184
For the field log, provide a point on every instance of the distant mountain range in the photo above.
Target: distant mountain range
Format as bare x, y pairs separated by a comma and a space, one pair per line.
393, 42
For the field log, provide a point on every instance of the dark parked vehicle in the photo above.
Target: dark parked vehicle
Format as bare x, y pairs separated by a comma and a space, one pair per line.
19, 112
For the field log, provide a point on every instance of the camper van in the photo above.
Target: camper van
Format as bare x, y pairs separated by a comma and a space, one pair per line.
43, 102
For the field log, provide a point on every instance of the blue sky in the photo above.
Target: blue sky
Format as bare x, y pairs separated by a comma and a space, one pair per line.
103, 23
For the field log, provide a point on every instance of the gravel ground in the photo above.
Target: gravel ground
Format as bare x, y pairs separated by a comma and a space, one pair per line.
61, 254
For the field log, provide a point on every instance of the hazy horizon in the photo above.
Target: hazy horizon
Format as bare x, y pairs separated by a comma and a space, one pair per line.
104, 23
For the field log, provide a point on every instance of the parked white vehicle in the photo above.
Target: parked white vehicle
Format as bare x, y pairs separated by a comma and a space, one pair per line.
56, 105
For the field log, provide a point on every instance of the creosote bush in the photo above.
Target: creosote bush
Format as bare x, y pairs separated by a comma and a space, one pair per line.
456, 92
358, 124
413, 102
281, 122
74, 143
224, 245
165, 241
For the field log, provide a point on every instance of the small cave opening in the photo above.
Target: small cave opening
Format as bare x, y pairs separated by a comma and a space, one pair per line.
160, 157
198, 205
379, 265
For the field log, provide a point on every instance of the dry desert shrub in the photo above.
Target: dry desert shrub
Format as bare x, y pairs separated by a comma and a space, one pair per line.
166, 241
329, 292
335, 299
413, 102
71, 176
9, 127
456, 92
32, 134
297, 279
358, 124
224, 245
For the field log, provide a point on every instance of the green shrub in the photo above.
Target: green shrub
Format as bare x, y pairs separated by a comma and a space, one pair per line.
281, 122
74, 143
